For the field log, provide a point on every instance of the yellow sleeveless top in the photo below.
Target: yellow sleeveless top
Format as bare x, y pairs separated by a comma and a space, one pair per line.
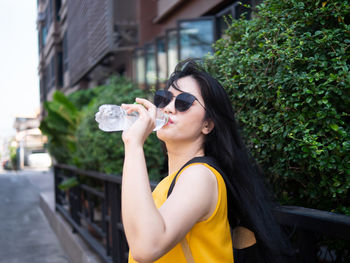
210, 240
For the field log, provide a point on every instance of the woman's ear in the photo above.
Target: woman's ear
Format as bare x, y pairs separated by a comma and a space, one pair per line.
208, 126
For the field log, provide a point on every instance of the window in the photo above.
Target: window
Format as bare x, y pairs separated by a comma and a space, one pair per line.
150, 53
140, 67
43, 88
161, 61
60, 69
196, 37
172, 50
39, 40
134, 66
234, 11
47, 79
49, 13
52, 72
44, 35
193, 38
65, 52
42, 30
58, 7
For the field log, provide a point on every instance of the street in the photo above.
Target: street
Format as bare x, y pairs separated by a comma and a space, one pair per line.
25, 234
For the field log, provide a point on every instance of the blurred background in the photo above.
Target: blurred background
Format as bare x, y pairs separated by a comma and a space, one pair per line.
61, 45
19, 84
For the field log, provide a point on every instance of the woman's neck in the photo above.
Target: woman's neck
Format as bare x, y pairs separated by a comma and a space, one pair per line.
179, 154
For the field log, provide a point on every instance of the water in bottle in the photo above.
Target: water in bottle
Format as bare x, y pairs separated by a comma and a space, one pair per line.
114, 118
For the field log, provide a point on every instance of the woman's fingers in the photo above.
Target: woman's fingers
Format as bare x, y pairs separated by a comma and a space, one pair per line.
146, 103
145, 109
129, 108
151, 108
146, 122
141, 107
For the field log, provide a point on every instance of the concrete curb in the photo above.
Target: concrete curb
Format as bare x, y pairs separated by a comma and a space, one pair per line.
75, 247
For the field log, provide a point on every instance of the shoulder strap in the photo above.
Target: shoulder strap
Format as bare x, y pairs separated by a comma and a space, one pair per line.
202, 159
242, 236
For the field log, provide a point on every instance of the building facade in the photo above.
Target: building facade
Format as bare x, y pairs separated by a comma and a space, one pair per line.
30, 142
83, 42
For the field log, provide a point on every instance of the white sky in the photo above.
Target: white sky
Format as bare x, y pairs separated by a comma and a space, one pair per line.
19, 81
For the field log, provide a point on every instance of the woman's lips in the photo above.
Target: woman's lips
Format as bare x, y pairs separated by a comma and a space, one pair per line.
169, 122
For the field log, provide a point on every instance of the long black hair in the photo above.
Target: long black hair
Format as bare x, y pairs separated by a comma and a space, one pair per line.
249, 201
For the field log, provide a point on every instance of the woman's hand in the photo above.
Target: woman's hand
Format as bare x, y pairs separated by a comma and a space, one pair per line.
141, 129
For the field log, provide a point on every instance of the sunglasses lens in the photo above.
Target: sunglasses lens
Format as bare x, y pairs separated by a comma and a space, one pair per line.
162, 98
184, 101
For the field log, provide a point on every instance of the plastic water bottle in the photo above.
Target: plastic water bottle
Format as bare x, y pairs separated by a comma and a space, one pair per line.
114, 118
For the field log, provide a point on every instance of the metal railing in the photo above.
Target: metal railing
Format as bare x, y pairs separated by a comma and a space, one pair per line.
93, 209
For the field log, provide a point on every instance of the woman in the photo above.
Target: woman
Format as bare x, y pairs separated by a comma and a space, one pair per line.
192, 223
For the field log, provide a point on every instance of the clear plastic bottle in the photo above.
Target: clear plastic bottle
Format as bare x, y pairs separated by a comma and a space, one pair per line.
114, 118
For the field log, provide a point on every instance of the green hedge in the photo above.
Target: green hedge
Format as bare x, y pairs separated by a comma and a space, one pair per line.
287, 74
74, 136
103, 151
59, 125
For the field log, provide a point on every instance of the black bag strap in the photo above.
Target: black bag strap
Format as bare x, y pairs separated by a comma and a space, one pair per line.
202, 159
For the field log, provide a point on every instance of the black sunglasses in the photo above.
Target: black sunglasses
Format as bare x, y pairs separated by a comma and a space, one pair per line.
183, 101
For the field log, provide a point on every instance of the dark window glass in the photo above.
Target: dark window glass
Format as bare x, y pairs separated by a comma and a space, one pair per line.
44, 35
60, 69
39, 41
161, 61
150, 64
43, 88
58, 7
52, 72
172, 50
239, 9
234, 11
223, 21
196, 38
48, 80
49, 13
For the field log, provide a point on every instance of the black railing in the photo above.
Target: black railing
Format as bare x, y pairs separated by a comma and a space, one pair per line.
93, 210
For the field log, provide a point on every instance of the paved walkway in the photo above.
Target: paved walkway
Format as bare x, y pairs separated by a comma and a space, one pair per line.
25, 234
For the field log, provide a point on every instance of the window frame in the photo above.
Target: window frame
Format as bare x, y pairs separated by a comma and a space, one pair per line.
202, 18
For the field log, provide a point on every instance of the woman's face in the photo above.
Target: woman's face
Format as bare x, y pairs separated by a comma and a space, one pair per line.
185, 126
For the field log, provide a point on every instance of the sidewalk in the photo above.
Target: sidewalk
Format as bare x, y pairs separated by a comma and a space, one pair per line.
25, 234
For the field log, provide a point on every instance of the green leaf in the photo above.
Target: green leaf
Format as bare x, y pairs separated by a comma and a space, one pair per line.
68, 183
334, 127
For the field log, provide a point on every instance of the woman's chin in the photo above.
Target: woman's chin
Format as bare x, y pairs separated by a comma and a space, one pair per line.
165, 134
161, 134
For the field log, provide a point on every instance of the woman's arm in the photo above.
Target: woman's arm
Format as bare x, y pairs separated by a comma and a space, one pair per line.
151, 232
